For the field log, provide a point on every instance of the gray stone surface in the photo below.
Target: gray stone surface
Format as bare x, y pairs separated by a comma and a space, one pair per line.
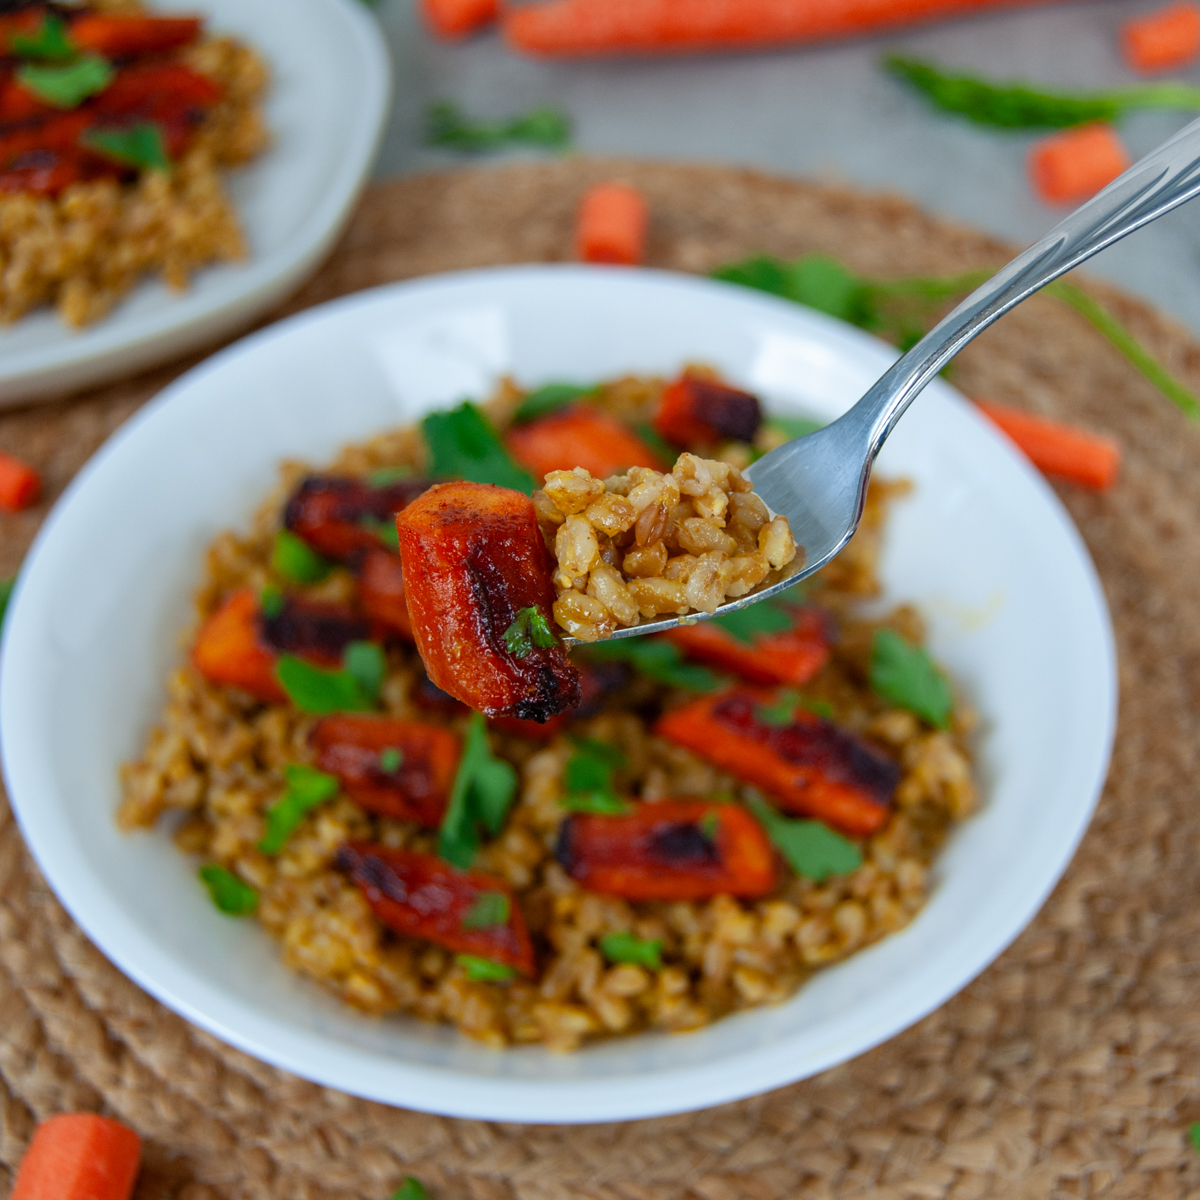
826, 112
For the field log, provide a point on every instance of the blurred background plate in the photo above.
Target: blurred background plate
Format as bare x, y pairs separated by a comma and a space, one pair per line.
328, 100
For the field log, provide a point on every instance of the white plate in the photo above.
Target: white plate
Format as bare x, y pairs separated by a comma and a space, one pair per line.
983, 547
330, 88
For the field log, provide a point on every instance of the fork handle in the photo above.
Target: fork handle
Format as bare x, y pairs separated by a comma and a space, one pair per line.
1164, 179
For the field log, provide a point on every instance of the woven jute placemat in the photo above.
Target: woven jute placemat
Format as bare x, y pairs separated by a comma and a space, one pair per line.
1069, 1068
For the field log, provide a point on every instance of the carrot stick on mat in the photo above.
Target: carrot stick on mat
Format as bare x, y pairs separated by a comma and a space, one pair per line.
20, 484
1072, 166
1164, 39
457, 18
1058, 449
79, 1156
612, 225
595, 27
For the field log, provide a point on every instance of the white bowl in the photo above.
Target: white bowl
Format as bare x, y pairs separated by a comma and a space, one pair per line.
330, 88
983, 547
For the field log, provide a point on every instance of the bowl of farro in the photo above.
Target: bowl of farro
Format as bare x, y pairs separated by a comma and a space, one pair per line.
168, 170
722, 860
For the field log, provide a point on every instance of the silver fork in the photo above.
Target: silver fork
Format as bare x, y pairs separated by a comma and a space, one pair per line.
819, 482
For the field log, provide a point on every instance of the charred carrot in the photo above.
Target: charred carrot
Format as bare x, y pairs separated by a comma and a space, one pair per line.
791, 657
457, 18
150, 90
611, 226
20, 484
124, 36
698, 411
1074, 165
580, 436
1164, 39
668, 850
478, 581
595, 27
381, 591
810, 766
420, 896
44, 173
79, 1156
1057, 448
401, 769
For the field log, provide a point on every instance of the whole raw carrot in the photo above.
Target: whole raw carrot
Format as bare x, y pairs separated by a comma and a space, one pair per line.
612, 225
595, 27
1162, 40
20, 484
79, 1156
1059, 449
457, 18
1072, 166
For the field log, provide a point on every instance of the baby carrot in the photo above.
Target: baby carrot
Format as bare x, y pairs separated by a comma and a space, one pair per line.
457, 18
79, 1156
1164, 39
1059, 449
1072, 166
20, 484
612, 225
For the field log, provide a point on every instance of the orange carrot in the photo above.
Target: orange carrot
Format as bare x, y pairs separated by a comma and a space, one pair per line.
612, 225
79, 1156
20, 484
580, 436
793, 656
592, 27
1164, 39
457, 18
1059, 449
1071, 166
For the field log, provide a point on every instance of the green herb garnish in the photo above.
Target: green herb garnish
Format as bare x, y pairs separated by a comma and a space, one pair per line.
588, 778
1018, 106
141, 145
1194, 1135
625, 948
549, 398
229, 893
318, 691
271, 601
296, 561
390, 760
811, 849
783, 711
447, 125
485, 970
483, 791
385, 531
366, 664
655, 441
463, 445
657, 660
755, 620
710, 826
307, 788
52, 40
529, 629
906, 675
794, 427
386, 476
489, 909
67, 86
411, 1188
6, 591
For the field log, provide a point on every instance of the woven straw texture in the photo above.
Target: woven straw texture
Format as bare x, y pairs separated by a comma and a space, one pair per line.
1069, 1068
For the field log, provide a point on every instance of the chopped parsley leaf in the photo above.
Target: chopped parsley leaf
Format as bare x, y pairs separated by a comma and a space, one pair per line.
366, 664
483, 791
51, 41
658, 660
447, 125
811, 849
485, 970
906, 675
529, 629
463, 445
6, 591
385, 476
318, 691
411, 1189
1194, 1135
489, 909
141, 145
710, 826
385, 531
783, 710
271, 601
550, 397
794, 427
307, 788
588, 778
390, 760
296, 561
762, 618
625, 948
67, 86
229, 893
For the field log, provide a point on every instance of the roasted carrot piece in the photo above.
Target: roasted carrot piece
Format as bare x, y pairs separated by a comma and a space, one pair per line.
668, 850
611, 226
597, 681
792, 657
124, 36
79, 1156
152, 90
1075, 164
1164, 39
20, 484
344, 518
810, 767
474, 561
58, 133
44, 173
420, 896
694, 410
1057, 448
457, 18
27, 21
19, 104
580, 436
401, 769
381, 591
